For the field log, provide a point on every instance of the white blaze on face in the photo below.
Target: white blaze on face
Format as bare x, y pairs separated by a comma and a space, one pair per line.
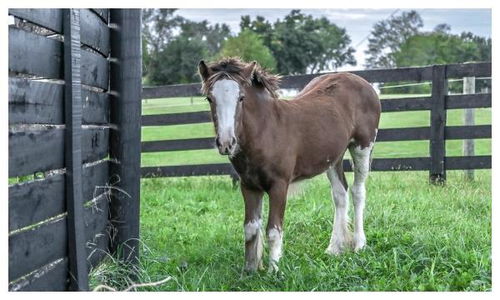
226, 93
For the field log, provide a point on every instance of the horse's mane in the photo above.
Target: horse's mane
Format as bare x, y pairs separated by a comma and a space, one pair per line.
232, 68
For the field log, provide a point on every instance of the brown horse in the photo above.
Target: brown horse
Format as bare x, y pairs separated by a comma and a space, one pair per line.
273, 143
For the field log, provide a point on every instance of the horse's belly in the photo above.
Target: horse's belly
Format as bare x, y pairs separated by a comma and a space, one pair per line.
308, 166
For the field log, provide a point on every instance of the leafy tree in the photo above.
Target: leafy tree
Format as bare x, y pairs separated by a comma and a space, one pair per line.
249, 46
387, 36
213, 36
439, 47
177, 62
303, 44
158, 26
164, 35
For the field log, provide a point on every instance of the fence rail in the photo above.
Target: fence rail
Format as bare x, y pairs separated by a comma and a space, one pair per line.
437, 133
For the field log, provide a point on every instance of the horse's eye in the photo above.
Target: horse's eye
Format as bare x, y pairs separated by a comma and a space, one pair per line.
209, 100
241, 98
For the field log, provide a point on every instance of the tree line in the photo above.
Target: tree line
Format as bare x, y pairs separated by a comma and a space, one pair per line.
297, 44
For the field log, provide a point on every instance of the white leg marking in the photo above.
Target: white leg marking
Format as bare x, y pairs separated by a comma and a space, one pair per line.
253, 229
340, 234
275, 238
361, 160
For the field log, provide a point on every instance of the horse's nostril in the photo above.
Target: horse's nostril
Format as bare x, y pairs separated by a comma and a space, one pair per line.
217, 142
233, 141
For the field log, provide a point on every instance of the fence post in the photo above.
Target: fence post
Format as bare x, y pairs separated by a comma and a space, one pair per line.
468, 145
77, 256
125, 134
437, 172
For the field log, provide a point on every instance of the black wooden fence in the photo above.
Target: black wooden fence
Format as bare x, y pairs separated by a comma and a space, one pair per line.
74, 122
437, 133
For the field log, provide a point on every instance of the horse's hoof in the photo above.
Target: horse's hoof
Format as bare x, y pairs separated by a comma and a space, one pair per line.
333, 251
359, 243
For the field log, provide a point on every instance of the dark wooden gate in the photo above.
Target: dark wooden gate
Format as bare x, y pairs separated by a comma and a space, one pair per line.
74, 143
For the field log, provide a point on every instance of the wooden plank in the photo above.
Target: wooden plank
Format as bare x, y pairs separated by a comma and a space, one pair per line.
95, 32
403, 134
95, 143
95, 70
78, 271
37, 102
468, 101
396, 164
437, 171
103, 13
27, 147
482, 69
173, 145
95, 180
95, 107
176, 119
174, 90
187, 170
96, 217
98, 248
298, 81
418, 74
406, 104
125, 145
378, 164
32, 249
33, 54
468, 162
51, 277
384, 135
34, 201
467, 132
49, 18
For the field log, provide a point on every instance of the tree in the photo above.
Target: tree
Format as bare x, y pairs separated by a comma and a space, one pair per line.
158, 26
387, 36
303, 44
439, 47
249, 46
164, 35
177, 62
213, 36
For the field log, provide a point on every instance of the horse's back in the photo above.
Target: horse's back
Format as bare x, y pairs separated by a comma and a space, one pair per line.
352, 97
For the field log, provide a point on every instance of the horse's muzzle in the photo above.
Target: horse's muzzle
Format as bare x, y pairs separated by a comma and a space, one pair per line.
226, 146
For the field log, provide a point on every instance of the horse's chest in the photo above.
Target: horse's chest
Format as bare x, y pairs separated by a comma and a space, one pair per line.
251, 175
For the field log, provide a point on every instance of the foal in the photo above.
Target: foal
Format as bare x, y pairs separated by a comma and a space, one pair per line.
272, 143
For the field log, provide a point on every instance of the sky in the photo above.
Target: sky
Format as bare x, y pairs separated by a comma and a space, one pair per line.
357, 22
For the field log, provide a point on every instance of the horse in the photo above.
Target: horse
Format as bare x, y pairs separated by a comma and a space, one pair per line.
273, 143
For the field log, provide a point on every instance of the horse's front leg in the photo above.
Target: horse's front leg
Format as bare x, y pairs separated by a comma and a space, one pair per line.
253, 225
277, 202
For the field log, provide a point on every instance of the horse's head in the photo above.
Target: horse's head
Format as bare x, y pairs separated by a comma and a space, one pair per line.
225, 91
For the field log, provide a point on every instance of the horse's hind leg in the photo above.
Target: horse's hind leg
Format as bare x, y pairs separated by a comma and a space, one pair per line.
361, 161
341, 237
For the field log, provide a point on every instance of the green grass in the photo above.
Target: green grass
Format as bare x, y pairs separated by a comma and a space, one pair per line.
420, 236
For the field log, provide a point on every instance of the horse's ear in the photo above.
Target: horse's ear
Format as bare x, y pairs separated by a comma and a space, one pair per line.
248, 70
204, 70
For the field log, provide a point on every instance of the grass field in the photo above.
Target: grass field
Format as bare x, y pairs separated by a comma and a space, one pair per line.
420, 236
